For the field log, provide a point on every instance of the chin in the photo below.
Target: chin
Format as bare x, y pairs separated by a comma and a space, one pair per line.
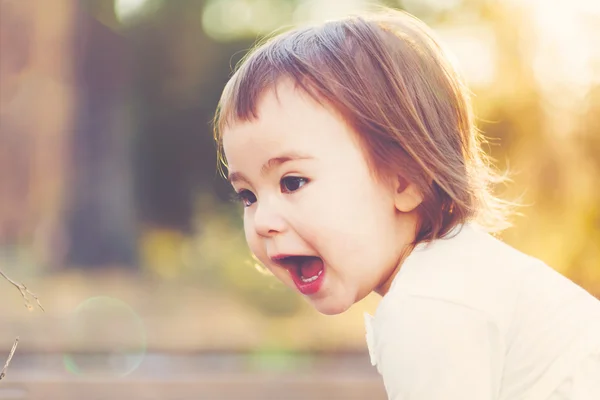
330, 306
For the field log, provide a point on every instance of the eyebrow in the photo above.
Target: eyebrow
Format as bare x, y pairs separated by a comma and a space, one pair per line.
272, 163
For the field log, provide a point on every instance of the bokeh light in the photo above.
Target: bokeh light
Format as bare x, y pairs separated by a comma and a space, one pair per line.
319, 10
128, 11
228, 20
107, 337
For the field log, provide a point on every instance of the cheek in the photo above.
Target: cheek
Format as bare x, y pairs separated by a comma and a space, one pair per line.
351, 221
358, 206
252, 239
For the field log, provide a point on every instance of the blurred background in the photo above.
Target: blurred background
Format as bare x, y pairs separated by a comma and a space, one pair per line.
113, 214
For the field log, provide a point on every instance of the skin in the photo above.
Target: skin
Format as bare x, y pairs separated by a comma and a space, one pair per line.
322, 201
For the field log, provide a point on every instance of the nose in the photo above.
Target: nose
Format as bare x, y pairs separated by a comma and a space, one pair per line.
268, 220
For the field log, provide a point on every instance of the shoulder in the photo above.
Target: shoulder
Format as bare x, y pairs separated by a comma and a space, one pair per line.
468, 249
469, 268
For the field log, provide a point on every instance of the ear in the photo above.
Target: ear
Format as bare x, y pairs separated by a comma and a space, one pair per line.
407, 195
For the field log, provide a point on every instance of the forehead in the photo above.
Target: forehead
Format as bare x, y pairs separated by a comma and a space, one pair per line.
288, 119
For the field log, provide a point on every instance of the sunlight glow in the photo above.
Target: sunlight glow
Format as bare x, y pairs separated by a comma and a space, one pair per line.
566, 45
566, 55
473, 50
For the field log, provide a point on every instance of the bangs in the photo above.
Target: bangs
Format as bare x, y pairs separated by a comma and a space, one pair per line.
337, 64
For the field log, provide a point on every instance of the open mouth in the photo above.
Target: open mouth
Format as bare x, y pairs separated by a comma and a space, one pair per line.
306, 271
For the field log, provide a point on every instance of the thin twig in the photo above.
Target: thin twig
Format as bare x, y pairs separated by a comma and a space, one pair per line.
10, 356
24, 292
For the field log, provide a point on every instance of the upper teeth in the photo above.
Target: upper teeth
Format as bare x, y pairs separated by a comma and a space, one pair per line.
312, 278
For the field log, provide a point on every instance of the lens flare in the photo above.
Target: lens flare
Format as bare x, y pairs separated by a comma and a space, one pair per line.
107, 338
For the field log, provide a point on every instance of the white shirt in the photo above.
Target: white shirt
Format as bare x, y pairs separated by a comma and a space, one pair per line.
469, 317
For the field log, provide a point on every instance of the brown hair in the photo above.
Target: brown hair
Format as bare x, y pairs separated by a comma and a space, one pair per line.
389, 79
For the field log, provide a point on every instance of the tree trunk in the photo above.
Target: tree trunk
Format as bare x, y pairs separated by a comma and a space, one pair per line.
100, 213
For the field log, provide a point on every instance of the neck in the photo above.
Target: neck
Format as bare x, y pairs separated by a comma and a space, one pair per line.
409, 226
387, 283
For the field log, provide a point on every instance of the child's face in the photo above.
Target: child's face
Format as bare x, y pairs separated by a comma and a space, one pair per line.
317, 197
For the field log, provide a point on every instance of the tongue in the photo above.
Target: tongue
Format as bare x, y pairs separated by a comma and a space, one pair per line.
311, 267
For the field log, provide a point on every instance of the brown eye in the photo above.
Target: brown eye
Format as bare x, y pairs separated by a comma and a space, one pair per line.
246, 197
292, 183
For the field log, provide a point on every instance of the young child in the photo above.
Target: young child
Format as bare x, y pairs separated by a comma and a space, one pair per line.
352, 148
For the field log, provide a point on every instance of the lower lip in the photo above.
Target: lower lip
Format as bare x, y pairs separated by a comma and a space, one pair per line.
308, 288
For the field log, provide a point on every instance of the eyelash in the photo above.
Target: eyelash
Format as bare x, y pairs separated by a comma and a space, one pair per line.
242, 195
